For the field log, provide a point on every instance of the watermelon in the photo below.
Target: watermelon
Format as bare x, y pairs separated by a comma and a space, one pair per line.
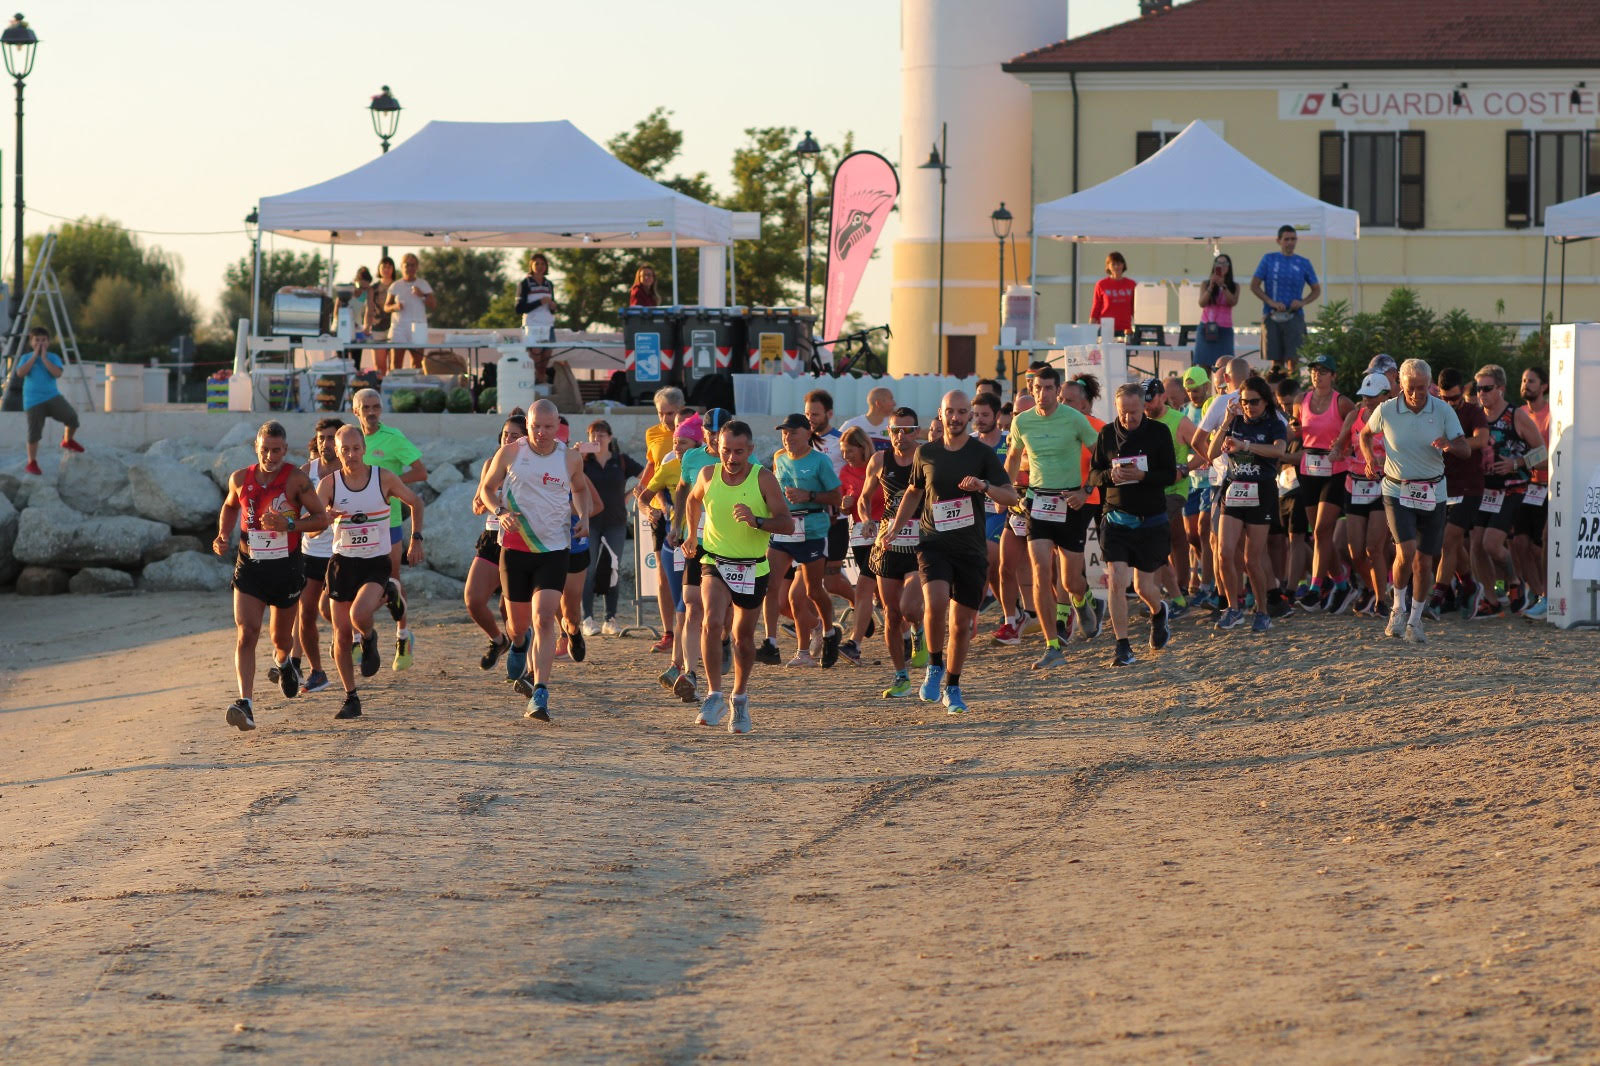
488, 399
459, 401
403, 401
431, 401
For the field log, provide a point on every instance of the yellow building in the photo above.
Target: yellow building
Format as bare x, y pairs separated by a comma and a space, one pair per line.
1450, 125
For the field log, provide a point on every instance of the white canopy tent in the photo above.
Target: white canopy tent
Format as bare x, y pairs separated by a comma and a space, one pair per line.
1198, 187
1567, 223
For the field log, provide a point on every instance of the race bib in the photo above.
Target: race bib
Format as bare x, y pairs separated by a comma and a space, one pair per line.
862, 534
267, 544
1536, 495
990, 507
677, 560
1242, 494
950, 515
1018, 524
739, 577
1419, 495
1316, 464
1049, 509
1362, 490
907, 536
491, 522
1493, 500
361, 540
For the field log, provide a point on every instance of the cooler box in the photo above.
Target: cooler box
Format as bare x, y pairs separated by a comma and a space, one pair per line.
650, 350
217, 391
713, 343
779, 339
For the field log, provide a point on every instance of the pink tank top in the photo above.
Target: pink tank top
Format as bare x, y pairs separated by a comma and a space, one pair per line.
1320, 431
1353, 463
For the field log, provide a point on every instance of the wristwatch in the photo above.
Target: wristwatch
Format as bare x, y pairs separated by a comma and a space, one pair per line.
418, 536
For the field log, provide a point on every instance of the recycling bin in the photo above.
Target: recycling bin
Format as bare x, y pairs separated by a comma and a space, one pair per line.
712, 341
778, 339
650, 350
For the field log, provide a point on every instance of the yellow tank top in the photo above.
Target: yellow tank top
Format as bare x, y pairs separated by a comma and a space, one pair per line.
726, 537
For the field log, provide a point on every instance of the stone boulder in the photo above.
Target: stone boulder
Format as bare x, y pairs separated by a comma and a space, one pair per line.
444, 451
430, 585
443, 476
42, 581
10, 486
451, 530
178, 542
100, 579
239, 433
96, 481
49, 533
167, 491
8, 539
187, 572
175, 448
228, 460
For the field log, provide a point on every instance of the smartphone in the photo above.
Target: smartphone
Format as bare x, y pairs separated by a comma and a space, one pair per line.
588, 447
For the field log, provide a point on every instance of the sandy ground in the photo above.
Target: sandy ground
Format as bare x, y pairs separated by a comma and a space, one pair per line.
1319, 846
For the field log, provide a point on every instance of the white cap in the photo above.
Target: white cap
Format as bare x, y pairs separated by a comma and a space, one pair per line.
1374, 384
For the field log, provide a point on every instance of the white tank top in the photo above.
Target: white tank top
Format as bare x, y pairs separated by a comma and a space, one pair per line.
319, 545
491, 522
536, 487
366, 537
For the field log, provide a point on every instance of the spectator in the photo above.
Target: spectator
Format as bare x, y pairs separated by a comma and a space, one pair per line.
643, 293
1113, 295
608, 469
1284, 283
1218, 295
41, 398
536, 303
378, 319
410, 299
361, 299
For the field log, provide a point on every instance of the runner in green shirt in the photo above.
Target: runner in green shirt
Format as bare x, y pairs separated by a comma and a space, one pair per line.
388, 449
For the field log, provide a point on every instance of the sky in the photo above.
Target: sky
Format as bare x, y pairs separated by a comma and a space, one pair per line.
173, 117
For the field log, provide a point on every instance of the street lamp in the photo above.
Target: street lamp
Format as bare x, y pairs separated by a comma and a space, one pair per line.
385, 112
805, 157
1000, 221
18, 42
252, 226
937, 161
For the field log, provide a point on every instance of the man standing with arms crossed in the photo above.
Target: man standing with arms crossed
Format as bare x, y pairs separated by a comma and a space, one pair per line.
388, 449
1284, 283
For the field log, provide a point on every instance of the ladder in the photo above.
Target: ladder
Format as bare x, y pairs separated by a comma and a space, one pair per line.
43, 286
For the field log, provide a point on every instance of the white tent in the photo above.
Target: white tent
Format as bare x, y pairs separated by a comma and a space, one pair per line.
1566, 223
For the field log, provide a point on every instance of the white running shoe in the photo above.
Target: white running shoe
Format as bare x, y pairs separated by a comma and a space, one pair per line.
1397, 622
588, 626
711, 710
609, 627
1414, 633
740, 722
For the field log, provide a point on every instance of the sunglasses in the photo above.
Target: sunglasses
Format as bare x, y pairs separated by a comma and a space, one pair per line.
1487, 388
1252, 401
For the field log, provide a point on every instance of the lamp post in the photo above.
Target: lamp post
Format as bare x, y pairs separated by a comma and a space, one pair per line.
937, 161
18, 42
385, 112
1000, 221
252, 226
805, 157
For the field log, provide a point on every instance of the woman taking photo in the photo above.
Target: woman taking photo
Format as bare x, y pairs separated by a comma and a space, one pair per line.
609, 471
1218, 295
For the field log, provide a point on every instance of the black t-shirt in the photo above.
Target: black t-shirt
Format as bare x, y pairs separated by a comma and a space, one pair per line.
1464, 477
1148, 446
1245, 466
953, 520
608, 480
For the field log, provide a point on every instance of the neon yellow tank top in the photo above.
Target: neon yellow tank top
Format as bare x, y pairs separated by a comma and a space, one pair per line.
725, 537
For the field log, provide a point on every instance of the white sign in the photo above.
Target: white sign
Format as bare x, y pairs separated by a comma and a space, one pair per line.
1586, 548
1574, 501
1377, 102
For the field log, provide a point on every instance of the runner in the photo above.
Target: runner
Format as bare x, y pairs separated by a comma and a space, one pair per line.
687, 436
262, 501
571, 643
388, 449
1518, 448
858, 452
1528, 544
359, 498
875, 423
1463, 478
669, 567
658, 449
953, 475
830, 441
1174, 575
1197, 502
744, 506
893, 558
686, 685
811, 487
1417, 428
1134, 462
1052, 436
1005, 586
1367, 528
530, 486
1253, 437
317, 548
483, 573
1320, 500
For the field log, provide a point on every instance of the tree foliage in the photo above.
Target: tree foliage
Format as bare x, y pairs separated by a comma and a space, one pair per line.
277, 270
465, 282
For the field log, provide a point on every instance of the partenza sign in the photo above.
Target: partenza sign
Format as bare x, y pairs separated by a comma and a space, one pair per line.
1437, 104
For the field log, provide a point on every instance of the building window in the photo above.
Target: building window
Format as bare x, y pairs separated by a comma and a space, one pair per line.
1379, 175
1147, 143
1545, 167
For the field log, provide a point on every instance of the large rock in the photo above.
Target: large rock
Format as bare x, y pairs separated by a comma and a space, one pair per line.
96, 481
41, 581
230, 459
8, 539
175, 448
428, 585
167, 491
444, 451
49, 533
443, 476
10, 486
100, 579
240, 433
187, 572
451, 530
178, 542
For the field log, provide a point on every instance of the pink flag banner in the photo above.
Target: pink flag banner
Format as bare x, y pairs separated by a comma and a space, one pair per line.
864, 189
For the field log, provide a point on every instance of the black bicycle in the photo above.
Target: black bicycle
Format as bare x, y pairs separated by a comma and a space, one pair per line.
852, 354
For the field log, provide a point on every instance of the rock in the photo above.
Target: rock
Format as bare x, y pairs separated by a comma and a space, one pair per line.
49, 533
41, 581
429, 585
452, 530
176, 449
187, 572
443, 476
167, 491
178, 542
228, 460
240, 433
8, 538
100, 579
426, 492
10, 485
96, 481
444, 451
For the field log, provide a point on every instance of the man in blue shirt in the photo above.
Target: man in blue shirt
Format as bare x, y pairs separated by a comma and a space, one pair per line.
1280, 283
41, 398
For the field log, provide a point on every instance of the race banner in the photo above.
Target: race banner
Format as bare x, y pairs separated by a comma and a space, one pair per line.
864, 189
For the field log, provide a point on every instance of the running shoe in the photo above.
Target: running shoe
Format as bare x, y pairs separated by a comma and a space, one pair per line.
609, 627
1124, 654
987, 602
685, 687
523, 687
538, 704
33, 468
1278, 606
274, 675
767, 654
1261, 624
1538, 609
517, 658
1471, 602
350, 708
588, 626
929, 691
492, 654
727, 655
72, 446
740, 722
900, 687
1434, 608
402, 652
1397, 621
1486, 609
1088, 620
851, 652
1310, 598
240, 716
289, 680
577, 647
1366, 602
1230, 618
1414, 633
317, 682
830, 647
664, 644
1007, 634
953, 703
371, 660
801, 658
561, 648
1344, 597
919, 650
1160, 631
1515, 601
1053, 656
669, 677
395, 601
712, 709
1176, 611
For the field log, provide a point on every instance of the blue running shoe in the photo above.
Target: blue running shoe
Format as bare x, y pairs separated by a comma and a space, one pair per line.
539, 704
517, 661
929, 692
953, 703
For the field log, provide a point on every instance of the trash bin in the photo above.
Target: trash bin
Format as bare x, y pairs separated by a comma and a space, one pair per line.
650, 350
124, 387
779, 339
713, 344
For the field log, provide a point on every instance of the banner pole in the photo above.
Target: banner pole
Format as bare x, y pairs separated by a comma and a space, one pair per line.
640, 556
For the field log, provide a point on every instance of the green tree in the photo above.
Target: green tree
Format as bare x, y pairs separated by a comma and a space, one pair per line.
277, 270
465, 282
89, 249
1405, 329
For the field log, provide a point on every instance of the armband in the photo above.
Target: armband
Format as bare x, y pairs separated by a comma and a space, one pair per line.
1536, 456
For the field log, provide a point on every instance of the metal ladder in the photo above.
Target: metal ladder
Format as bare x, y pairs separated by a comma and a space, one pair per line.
43, 285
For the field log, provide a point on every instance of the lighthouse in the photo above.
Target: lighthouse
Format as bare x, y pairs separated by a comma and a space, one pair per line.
952, 87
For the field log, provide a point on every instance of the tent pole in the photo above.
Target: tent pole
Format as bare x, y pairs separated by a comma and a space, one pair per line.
255, 286
1355, 274
1544, 282
1033, 283
1324, 259
674, 269
727, 255
1561, 299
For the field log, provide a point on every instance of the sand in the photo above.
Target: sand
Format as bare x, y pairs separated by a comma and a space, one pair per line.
1317, 846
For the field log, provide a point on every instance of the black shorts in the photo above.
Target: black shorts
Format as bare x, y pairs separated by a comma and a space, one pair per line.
1263, 513
1463, 515
346, 575
1531, 521
1505, 519
1314, 492
1071, 535
1359, 510
275, 582
897, 566
966, 573
577, 561
522, 573
1145, 548
745, 601
692, 570
863, 554
1407, 523
488, 548
658, 532
838, 540
316, 568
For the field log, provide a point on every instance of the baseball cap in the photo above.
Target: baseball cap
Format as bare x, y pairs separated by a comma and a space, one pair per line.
1195, 376
716, 418
1382, 363
1325, 362
1375, 383
795, 421
1153, 389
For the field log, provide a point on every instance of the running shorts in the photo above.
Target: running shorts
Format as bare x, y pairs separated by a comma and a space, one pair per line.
1263, 513
804, 551
1463, 515
346, 575
522, 573
1070, 535
489, 547
838, 540
275, 582
863, 554
1505, 519
578, 562
1531, 521
316, 567
965, 573
1424, 527
1145, 548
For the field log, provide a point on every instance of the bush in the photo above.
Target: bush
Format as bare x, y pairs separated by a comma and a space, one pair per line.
1405, 329
459, 401
488, 399
431, 401
405, 401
